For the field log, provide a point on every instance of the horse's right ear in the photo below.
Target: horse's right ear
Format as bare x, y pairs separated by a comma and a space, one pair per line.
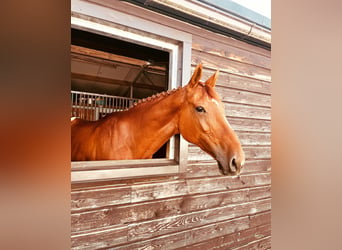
196, 76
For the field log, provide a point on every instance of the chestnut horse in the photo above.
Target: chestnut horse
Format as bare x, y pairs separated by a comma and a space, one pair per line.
195, 111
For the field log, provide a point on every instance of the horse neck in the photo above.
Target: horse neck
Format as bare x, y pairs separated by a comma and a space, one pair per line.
157, 120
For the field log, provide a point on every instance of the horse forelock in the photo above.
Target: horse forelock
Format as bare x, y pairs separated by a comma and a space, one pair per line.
210, 91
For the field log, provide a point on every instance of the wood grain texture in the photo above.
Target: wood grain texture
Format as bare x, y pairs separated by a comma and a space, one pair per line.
190, 236
242, 83
231, 241
246, 111
250, 125
152, 210
231, 66
91, 199
228, 51
251, 152
173, 217
244, 97
220, 183
230, 233
209, 168
248, 138
100, 238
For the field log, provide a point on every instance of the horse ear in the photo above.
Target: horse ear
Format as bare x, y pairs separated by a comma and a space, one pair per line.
196, 76
212, 80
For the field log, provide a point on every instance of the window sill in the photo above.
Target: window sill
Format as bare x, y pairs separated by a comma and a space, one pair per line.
93, 171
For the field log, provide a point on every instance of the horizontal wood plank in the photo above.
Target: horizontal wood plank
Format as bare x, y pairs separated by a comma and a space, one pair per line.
174, 221
100, 238
99, 197
262, 244
260, 218
228, 183
224, 50
110, 236
233, 240
120, 164
109, 174
242, 83
204, 169
134, 213
154, 191
230, 66
251, 153
245, 111
254, 138
249, 125
238, 82
110, 196
189, 236
231, 233
244, 97
257, 152
248, 138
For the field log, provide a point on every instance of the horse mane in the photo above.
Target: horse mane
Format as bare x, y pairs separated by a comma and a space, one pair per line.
166, 93
153, 98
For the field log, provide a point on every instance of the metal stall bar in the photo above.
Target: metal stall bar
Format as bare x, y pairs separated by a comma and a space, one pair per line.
91, 106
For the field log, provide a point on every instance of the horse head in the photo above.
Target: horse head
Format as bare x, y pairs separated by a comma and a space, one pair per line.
203, 122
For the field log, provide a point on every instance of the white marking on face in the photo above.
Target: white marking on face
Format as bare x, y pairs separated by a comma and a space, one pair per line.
214, 101
228, 124
217, 103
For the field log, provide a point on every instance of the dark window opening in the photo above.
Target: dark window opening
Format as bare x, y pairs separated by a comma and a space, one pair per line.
109, 75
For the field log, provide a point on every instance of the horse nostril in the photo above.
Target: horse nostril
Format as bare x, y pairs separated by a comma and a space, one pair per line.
233, 166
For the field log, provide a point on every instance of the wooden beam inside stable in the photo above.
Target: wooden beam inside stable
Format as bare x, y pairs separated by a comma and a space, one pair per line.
114, 81
106, 55
83, 53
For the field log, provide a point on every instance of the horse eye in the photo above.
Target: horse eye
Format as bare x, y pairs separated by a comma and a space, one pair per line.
200, 109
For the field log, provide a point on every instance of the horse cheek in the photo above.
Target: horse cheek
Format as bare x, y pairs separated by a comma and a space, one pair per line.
205, 125
186, 129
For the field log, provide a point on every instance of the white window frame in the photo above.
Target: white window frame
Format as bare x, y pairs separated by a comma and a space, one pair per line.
113, 23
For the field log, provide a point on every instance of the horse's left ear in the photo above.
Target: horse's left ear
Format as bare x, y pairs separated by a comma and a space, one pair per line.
196, 76
212, 80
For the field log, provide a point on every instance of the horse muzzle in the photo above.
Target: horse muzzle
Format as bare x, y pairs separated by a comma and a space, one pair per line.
231, 167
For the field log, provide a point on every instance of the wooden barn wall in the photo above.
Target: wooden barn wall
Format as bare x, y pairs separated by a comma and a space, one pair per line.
200, 209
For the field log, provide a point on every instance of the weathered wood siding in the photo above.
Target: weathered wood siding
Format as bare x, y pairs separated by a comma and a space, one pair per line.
200, 209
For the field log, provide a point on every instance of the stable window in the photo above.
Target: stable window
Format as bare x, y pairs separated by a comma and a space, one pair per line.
110, 75
112, 66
